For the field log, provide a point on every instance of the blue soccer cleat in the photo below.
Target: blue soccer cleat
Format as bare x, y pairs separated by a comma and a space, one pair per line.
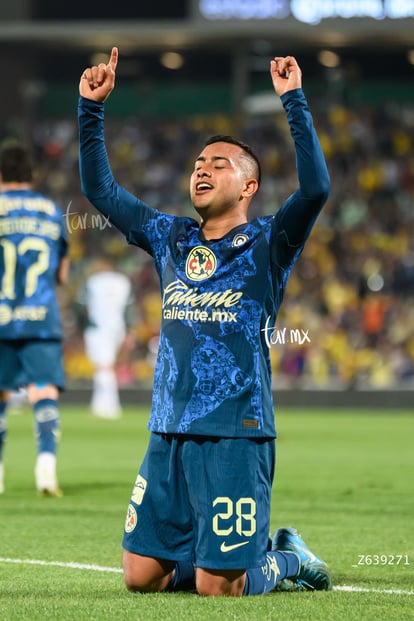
314, 574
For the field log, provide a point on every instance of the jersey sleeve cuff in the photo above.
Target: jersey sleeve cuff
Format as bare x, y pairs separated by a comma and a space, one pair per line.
295, 95
90, 105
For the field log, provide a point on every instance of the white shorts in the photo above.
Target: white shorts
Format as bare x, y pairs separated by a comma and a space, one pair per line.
102, 346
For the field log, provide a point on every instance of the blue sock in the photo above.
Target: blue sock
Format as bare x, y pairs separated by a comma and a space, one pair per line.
279, 565
184, 577
46, 415
3, 427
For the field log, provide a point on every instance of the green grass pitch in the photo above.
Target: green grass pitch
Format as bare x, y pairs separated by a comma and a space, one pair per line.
345, 479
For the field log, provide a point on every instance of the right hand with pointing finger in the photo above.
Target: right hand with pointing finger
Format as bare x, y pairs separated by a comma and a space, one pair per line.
98, 82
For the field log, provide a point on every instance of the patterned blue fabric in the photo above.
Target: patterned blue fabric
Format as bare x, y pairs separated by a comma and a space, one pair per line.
220, 297
32, 243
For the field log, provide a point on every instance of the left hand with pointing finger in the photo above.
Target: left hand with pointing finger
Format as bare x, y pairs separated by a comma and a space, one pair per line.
98, 82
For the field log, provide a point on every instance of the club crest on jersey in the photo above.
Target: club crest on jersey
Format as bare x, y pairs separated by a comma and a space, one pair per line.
201, 263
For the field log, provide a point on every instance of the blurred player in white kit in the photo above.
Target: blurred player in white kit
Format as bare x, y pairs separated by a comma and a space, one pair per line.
107, 296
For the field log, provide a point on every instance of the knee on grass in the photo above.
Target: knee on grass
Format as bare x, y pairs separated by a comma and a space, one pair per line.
216, 585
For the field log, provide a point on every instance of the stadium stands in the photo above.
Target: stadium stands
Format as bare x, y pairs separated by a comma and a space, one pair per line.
348, 316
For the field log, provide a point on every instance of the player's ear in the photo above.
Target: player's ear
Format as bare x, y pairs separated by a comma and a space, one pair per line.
250, 187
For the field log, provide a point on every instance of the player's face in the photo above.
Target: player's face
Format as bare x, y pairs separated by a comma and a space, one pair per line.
218, 179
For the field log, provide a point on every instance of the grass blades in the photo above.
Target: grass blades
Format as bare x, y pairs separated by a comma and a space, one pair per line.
345, 479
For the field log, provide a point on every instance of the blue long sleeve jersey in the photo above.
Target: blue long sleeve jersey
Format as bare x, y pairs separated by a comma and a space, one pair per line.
219, 297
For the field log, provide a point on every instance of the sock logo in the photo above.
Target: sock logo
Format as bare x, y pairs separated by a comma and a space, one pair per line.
271, 569
46, 414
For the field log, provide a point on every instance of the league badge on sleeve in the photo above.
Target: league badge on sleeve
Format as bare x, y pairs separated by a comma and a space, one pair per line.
131, 519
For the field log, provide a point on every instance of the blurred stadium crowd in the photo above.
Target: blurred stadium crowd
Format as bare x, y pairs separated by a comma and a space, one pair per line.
348, 315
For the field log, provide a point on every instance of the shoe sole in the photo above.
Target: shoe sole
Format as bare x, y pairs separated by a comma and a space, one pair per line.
51, 493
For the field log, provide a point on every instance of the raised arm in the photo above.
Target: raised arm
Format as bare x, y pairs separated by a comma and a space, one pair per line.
299, 212
123, 209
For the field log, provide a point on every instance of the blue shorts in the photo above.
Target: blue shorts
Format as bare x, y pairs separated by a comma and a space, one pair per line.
203, 499
24, 362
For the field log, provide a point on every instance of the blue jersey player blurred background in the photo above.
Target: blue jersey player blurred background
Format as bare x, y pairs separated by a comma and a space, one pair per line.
33, 260
199, 515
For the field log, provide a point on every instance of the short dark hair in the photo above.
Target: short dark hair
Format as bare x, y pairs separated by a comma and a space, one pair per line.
245, 147
15, 164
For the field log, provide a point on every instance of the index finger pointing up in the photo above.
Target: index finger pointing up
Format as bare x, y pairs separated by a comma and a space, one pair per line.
113, 61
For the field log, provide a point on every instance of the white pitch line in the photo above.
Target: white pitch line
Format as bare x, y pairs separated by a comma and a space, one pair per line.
21, 561
356, 589
118, 570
